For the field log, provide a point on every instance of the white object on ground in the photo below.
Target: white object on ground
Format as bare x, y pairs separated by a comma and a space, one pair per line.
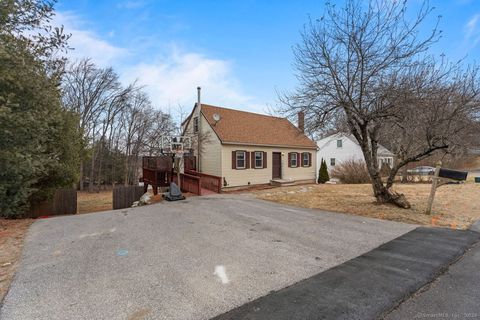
221, 274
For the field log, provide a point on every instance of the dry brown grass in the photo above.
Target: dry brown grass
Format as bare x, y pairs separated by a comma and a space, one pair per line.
94, 201
12, 234
455, 206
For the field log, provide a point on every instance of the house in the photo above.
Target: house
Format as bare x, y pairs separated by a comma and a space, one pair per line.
247, 148
341, 147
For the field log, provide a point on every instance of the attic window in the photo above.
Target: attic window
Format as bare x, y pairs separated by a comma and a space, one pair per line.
339, 143
195, 125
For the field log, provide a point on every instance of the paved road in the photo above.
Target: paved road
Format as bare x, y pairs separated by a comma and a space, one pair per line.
454, 295
366, 287
185, 260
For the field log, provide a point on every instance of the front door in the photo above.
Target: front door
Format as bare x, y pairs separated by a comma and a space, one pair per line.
276, 165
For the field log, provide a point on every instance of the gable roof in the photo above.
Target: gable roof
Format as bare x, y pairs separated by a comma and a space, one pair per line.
382, 151
241, 127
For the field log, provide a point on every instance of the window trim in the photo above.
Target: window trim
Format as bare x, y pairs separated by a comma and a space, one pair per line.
341, 144
307, 159
255, 159
334, 162
294, 156
244, 160
195, 124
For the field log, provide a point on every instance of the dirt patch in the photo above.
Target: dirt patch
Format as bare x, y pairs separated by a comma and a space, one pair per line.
455, 206
12, 234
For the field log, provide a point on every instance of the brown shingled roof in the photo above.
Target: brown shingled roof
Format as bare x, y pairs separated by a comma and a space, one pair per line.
252, 128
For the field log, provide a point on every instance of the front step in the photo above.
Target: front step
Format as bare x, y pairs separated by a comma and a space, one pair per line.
282, 182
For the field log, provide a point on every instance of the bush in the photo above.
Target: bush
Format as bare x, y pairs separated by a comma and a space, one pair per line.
351, 171
323, 172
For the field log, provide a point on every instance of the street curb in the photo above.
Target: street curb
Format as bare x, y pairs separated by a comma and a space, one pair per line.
366, 287
475, 226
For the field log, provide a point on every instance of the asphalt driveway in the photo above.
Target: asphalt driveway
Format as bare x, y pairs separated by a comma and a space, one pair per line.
193, 259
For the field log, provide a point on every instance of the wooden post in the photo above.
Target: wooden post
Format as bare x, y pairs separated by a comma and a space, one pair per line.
177, 168
434, 188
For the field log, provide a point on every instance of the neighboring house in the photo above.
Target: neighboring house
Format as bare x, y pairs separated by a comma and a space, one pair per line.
341, 147
246, 148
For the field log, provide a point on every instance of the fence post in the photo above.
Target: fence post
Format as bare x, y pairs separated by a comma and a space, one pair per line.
434, 187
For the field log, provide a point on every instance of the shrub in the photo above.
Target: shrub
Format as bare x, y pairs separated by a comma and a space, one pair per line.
351, 171
323, 172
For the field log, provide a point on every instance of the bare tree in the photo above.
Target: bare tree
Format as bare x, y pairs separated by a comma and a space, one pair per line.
349, 63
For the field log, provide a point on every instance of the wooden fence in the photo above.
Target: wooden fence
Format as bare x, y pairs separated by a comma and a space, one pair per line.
125, 196
64, 202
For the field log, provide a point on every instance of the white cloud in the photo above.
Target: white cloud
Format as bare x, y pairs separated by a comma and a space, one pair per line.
472, 30
170, 79
86, 43
173, 79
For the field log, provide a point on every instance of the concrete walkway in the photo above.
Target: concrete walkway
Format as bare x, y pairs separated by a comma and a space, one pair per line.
193, 259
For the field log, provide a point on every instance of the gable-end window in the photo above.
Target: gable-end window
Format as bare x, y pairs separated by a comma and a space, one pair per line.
332, 161
293, 160
258, 159
305, 159
339, 143
195, 125
241, 160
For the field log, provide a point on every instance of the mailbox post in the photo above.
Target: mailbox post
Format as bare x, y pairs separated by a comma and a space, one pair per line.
441, 177
438, 165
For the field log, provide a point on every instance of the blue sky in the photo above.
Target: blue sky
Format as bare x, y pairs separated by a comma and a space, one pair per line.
240, 52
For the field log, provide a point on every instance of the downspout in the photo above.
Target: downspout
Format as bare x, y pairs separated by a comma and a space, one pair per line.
199, 137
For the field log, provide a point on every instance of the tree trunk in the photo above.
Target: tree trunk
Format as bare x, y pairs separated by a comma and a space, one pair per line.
92, 167
385, 195
81, 176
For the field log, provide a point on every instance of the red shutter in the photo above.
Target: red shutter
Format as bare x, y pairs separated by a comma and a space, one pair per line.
289, 157
264, 160
247, 160
234, 159
309, 159
252, 154
299, 156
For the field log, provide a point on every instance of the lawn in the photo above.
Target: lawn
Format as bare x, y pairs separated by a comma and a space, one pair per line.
455, 206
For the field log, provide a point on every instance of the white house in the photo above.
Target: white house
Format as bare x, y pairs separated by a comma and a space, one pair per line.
341, 147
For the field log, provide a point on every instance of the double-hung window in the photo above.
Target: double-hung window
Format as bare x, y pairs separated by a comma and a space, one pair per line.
293, 160
240, 160
258, 159
195, 125
306, 159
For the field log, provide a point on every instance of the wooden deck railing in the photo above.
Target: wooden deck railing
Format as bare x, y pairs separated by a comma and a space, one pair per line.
189, 183
208, 181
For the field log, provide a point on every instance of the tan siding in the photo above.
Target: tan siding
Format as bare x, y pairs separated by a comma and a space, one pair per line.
236, 178
211, 155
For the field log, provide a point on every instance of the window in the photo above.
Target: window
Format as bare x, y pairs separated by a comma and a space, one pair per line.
332, 161
240, 159
306, 159
258, 159
339, 143
293, 159
195, 125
